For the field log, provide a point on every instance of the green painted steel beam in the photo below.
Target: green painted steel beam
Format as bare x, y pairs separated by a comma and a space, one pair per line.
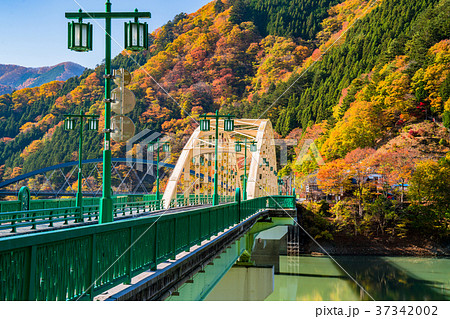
104, 15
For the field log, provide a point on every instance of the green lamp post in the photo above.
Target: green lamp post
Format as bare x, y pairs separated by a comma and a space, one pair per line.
166, 148
238, 148
228, 126
80, 39
69, 124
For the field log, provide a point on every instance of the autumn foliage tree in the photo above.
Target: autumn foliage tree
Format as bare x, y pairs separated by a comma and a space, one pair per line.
333, 178
429, 192
359, 162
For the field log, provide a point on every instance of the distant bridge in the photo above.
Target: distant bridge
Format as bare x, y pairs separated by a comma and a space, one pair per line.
198, 153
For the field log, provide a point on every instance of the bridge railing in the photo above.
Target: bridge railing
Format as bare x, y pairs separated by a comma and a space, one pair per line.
10, 206
41, 212
62, 212
81, 262
15, 205
278, 202
194, 200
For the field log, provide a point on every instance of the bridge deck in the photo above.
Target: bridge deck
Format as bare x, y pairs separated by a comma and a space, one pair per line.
101, 257
171, 274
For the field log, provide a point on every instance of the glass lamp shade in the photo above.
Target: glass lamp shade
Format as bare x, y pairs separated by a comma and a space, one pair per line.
69, 124
151, 147
205, 125
166, 148
93, 124
136, 36
80, 36
228, 125
253, 147
238, 147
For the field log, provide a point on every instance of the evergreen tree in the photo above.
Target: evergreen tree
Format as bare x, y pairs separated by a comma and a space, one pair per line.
219, 6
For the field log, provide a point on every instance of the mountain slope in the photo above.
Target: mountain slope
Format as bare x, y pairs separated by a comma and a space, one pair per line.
205, 62
374, 38
19, 77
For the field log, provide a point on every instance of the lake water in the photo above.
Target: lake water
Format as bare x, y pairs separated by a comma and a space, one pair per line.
384, 278
279, 273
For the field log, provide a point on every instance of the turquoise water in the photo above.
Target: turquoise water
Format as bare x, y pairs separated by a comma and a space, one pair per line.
384, 278
279, 273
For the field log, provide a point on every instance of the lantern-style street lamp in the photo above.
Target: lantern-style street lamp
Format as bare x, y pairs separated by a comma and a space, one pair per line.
136, 35
205, 126
80, 39
79, 36
69, 124
238, 148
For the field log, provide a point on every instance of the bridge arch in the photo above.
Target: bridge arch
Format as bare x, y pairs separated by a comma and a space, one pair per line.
198, 156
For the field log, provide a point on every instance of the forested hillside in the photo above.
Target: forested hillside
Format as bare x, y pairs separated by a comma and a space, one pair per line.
377, 38
203, 60
285, 18
367, 80
385, 132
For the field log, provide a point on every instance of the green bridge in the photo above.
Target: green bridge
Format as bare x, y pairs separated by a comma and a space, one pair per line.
80, 261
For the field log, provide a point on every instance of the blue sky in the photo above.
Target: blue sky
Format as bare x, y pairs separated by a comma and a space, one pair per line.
33, 33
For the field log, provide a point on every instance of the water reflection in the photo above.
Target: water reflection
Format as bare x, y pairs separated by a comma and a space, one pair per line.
416, 279
310, 278
301, 277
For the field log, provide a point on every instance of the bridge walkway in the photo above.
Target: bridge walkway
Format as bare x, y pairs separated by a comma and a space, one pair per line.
170, 275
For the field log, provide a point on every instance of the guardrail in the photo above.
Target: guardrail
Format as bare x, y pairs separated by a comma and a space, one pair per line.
280, 202
193, 200
15, 205
64, 211
79, 263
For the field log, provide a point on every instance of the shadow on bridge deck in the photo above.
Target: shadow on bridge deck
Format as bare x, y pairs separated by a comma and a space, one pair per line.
172, 274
